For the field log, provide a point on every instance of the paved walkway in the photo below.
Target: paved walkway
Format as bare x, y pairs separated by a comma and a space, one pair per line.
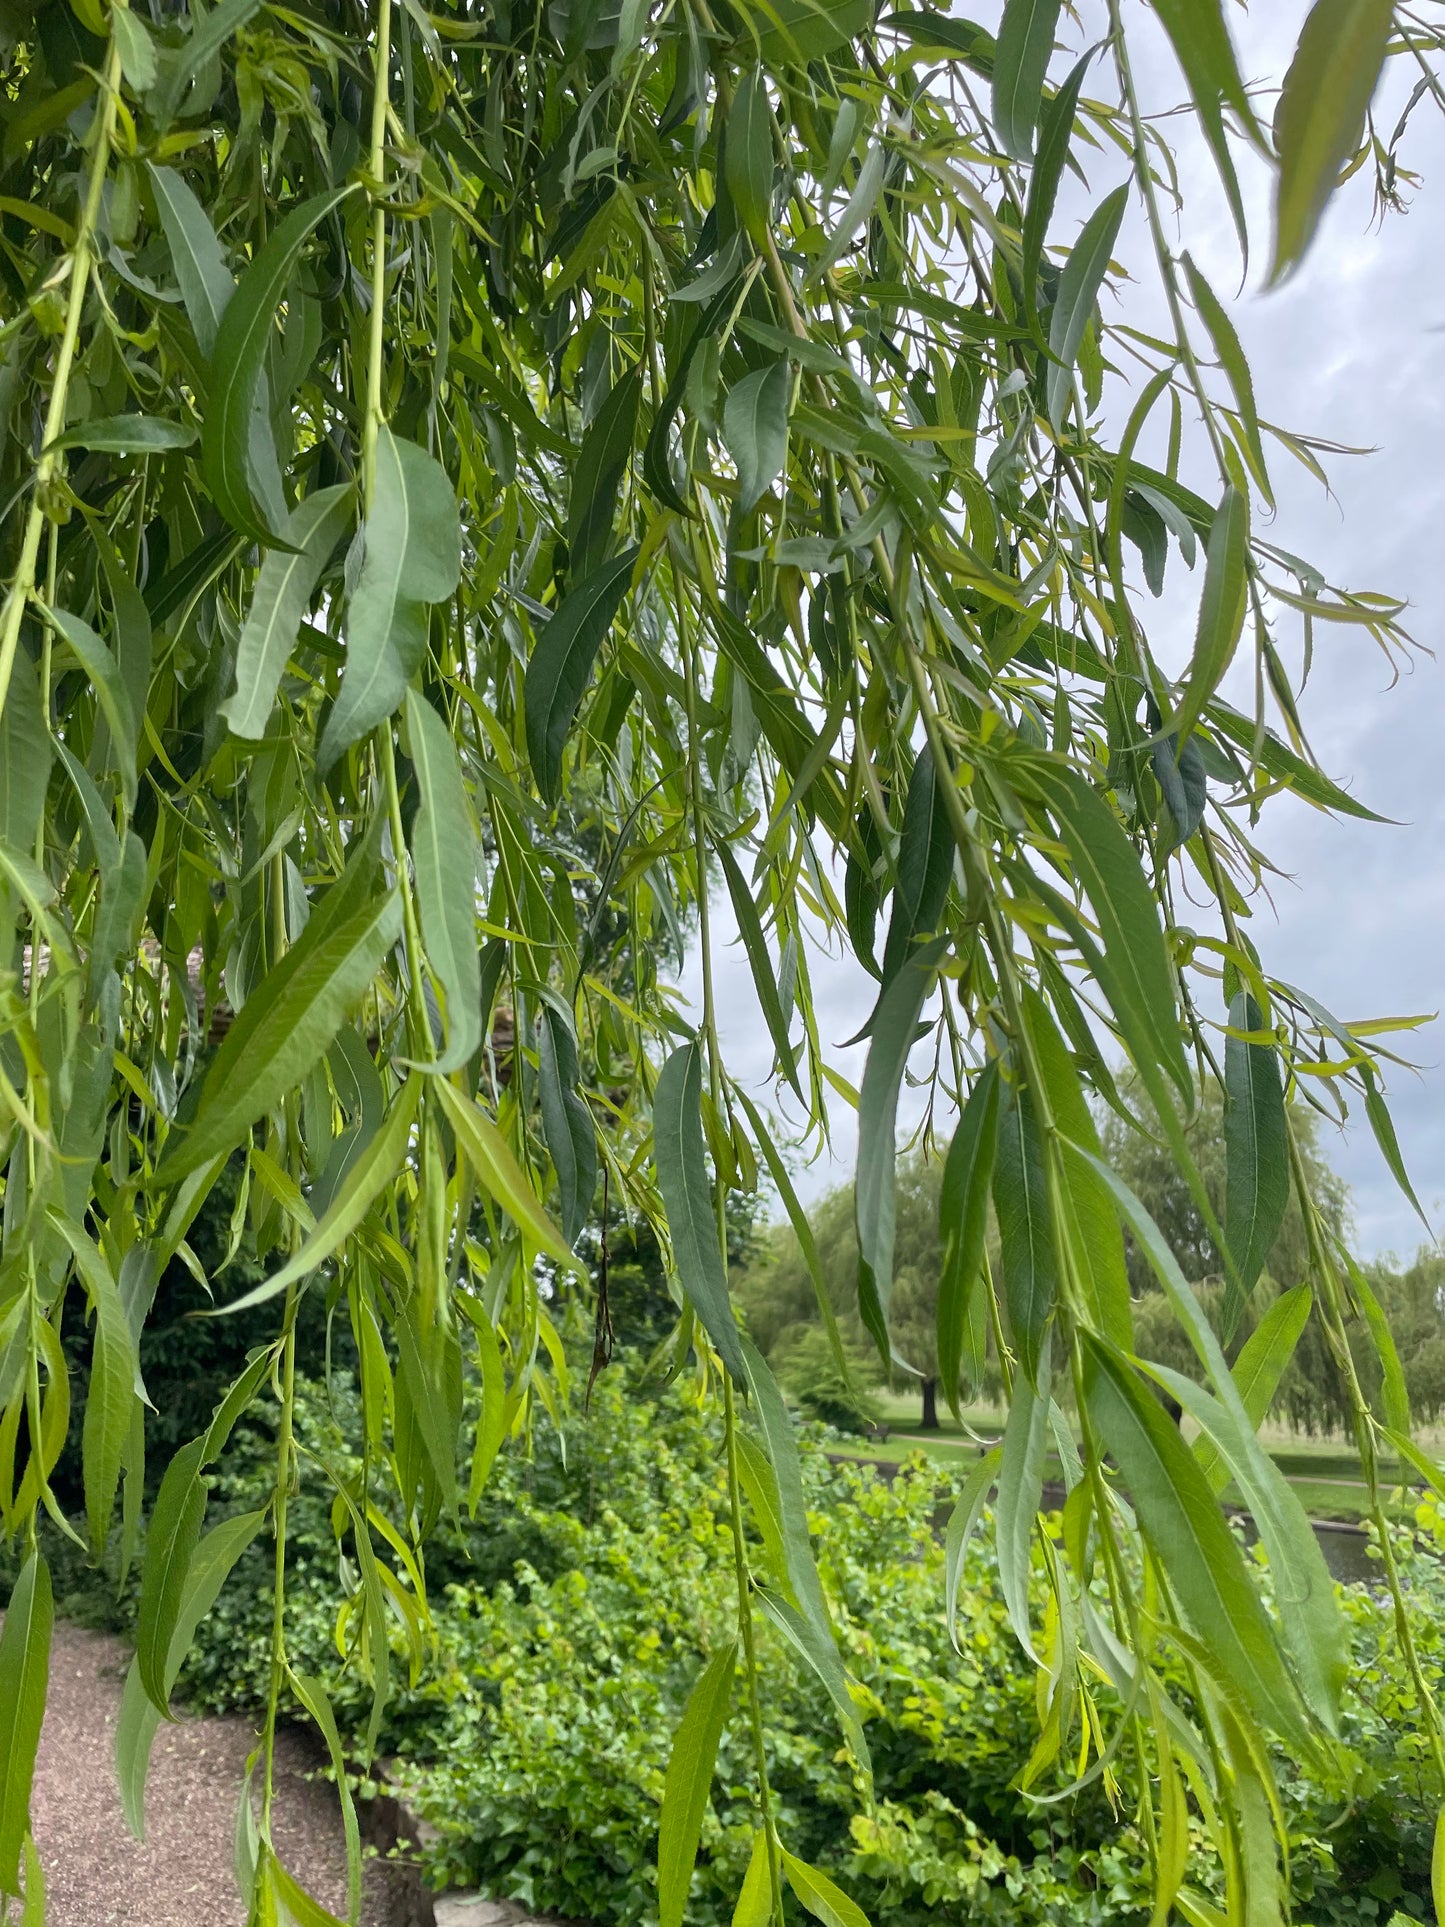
97, 1875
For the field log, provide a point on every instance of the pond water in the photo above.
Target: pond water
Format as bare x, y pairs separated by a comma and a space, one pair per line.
1345, 1547
1346, 1550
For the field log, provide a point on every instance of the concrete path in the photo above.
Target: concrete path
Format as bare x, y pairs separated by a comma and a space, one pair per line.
97, 1875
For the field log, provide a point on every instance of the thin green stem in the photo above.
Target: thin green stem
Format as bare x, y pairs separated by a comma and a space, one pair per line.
50, 460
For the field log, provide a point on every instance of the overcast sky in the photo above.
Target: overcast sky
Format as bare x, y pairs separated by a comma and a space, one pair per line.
1349, 350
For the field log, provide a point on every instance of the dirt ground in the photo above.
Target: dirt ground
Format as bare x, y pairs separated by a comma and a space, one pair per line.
98, 1875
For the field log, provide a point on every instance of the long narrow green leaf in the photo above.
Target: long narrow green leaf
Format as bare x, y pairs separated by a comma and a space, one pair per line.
960, 1529
561, 664
1258, 1370
179, 68
1021, 60
175, 1530
802, 1230
111, 1393
288, 1023
1304, 1592
412, 557
378, 1166
1222, 608
1079, 285
1201, 43
490, 1156
237, 363
139, 1720
282, 597
895, 1027
823, 1899
689, 1777
444, 857
1025, 1226
566, 1120
1256, 1142
680, 1157
110, 690
601, 464
24, 1675
1134, 966
963, 1227
750, 929
205, 280
1055, 138
1020, 1493
1321, 115
1192, 1542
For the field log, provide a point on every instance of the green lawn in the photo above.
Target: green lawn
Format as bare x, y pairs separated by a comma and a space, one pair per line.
1325, 1473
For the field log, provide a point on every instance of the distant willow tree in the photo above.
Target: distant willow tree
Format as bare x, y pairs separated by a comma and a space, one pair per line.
474, 474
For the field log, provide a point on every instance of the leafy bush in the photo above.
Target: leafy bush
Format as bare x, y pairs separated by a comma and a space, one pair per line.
574, 1614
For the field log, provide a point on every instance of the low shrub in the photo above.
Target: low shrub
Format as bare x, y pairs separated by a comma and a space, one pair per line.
572, 1616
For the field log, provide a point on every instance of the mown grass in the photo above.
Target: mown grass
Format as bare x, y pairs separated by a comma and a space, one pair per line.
1325, 1473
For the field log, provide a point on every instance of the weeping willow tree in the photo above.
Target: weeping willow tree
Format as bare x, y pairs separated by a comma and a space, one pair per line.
475, 474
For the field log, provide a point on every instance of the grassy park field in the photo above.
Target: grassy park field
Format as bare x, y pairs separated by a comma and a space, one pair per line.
1324, 1472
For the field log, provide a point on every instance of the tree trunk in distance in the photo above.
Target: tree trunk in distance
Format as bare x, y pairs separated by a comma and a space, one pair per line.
930, 1405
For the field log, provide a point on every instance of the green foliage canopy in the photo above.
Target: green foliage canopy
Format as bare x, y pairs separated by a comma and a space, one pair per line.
473, 472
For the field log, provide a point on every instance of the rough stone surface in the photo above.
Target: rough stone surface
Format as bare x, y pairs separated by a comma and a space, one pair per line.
97, 1875
470, 1910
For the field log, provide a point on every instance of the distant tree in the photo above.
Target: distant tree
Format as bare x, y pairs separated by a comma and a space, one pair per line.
778, 1295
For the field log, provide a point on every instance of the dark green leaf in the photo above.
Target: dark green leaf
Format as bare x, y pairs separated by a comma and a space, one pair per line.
139, 1719
378, 1165
290, 1020
1020, 1196
110, 690
803, 30
412, 557
748, 155
1221, 609
444, 853
1055, 138
566, 1120
601, 464
205, 280
1304, 1593
1202, 45
1256, 1140
180, 66
127, 435
561, 664
750, 929
1021, 60
238, 360
111, 1392
175, 1529
678, 1152
279, 605
895, 1028
962, 1228
925, 863
1020, 1493
1134, 967
961, 1524
755, 428
24, 758
1078, 291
